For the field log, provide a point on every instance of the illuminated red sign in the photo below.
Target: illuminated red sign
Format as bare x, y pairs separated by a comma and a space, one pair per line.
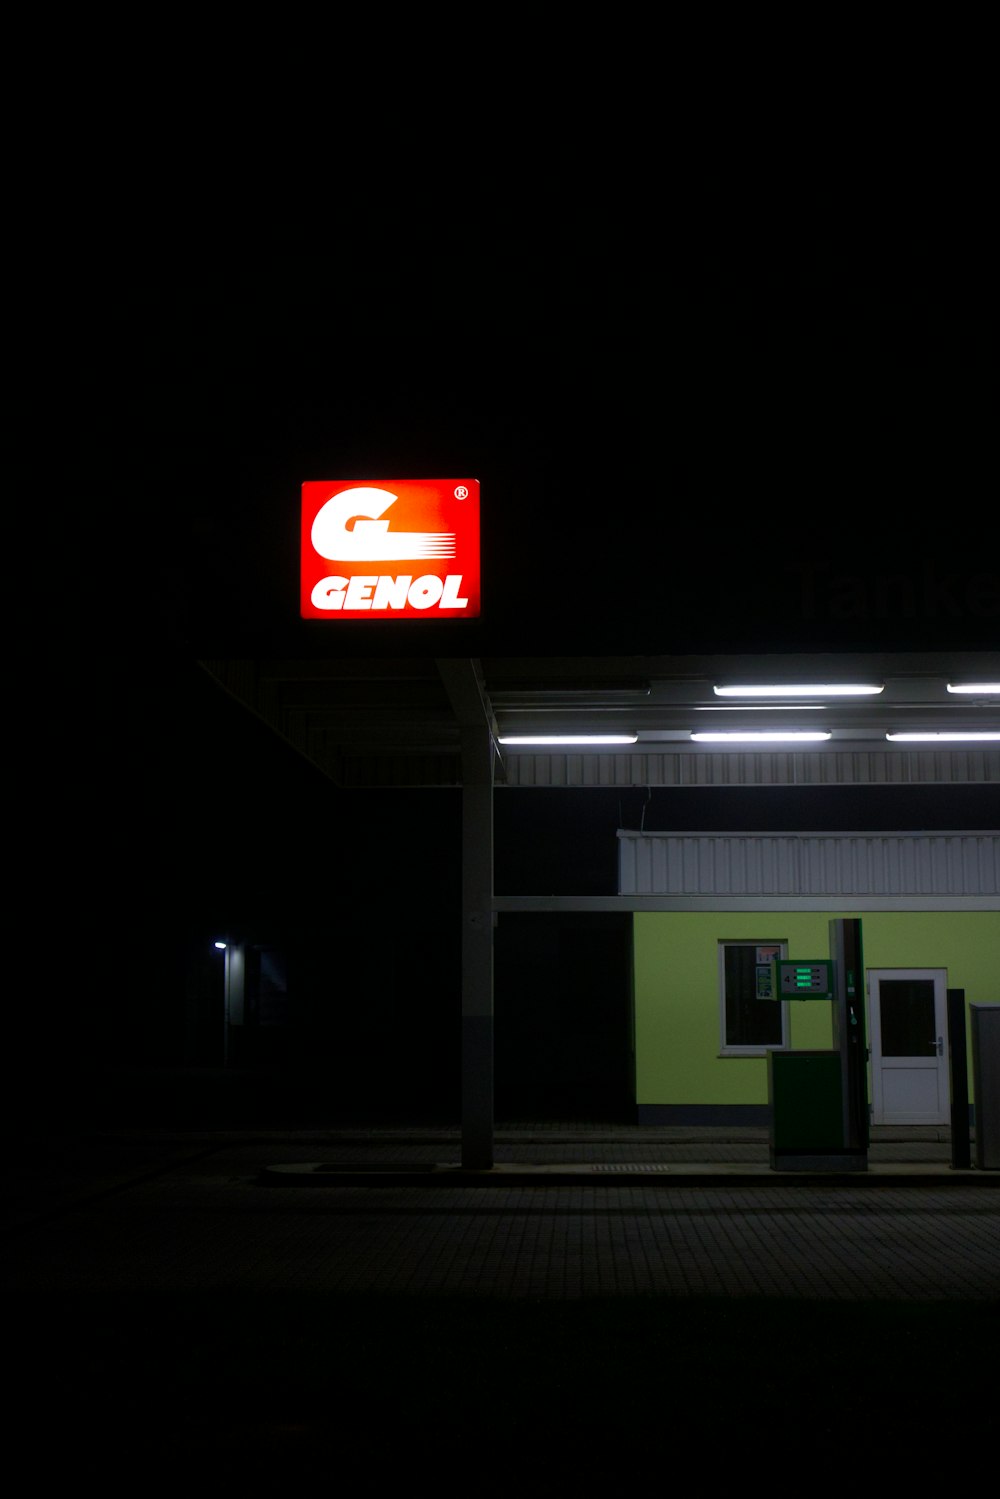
390, 549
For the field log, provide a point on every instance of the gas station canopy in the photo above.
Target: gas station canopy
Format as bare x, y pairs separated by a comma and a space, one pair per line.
624, 720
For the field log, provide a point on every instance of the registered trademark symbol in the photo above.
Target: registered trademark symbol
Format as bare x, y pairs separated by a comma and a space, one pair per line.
461, 493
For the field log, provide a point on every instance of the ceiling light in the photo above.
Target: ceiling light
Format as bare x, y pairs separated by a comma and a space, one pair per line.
807, 689
976, 688
929, 737
568, 738
762, 708
776, 736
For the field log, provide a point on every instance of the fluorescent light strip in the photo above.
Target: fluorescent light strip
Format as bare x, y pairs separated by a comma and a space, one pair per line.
808, 689
931, 738
568, 738
976, 688
777, 737
761, 708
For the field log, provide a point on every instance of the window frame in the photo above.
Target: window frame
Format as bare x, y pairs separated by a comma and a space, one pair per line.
779, 946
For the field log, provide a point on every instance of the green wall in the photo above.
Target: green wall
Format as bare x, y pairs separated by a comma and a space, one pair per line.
677, 1027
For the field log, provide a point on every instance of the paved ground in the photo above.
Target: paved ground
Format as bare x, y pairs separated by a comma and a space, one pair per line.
567, 1211
608, 1298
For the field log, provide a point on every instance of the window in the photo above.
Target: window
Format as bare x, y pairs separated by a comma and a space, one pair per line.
752, 1022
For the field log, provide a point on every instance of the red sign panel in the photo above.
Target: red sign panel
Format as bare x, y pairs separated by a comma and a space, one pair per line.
390, 549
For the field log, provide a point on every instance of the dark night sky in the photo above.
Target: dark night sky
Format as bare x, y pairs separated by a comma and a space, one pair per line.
649, 480
700, 314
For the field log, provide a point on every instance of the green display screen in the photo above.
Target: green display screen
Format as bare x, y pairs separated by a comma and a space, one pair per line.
803, 978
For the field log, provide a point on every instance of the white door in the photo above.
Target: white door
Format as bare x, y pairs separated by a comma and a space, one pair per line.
907, 1023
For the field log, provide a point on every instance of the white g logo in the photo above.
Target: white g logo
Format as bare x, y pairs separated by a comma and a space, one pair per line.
369, 539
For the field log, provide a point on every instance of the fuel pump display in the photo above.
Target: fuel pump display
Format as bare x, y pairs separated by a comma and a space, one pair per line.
803, 978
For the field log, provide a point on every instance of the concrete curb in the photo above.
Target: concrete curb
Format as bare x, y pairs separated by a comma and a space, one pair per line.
320, 1174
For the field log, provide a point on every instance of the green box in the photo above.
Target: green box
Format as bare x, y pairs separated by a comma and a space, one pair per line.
806, 1097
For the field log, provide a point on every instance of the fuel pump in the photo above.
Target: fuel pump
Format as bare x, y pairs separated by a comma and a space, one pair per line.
819, 1099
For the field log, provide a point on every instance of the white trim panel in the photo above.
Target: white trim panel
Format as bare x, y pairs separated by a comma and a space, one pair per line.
750, 903
696, 767
842, 865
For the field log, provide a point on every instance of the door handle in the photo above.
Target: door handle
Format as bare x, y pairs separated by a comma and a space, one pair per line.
940, 1046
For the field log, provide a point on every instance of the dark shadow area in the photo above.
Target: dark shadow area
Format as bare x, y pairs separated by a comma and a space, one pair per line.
563, 1016
361, 1392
